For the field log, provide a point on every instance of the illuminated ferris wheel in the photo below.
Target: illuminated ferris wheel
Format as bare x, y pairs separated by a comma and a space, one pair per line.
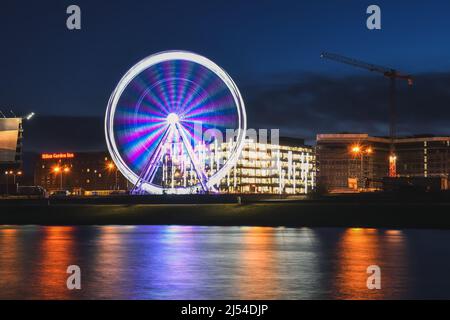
168, 124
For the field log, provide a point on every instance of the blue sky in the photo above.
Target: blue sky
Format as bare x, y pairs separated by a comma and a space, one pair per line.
264, 45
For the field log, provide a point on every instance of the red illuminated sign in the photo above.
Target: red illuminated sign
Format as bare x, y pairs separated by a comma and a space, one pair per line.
64, 155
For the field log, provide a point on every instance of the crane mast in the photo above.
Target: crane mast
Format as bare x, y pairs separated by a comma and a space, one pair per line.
392, 75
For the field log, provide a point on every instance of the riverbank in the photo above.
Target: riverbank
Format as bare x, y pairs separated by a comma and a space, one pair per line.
329, 213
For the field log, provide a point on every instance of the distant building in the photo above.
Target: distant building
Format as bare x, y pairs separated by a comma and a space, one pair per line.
11, 133
350, 161
78, 172
285, 168
423, 156
355, 161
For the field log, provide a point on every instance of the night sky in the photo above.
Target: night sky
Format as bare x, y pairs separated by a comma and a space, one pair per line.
270, 48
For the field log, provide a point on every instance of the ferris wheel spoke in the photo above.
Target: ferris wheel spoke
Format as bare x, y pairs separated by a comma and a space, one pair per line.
201, 174
149, 171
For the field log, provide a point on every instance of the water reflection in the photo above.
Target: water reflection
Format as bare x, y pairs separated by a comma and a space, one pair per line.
360, 248
10, 260
55, 254
299, 259
174, 267
258, 270
108, 262
175, 262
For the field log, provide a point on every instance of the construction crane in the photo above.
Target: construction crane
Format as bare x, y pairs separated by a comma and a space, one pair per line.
391, 74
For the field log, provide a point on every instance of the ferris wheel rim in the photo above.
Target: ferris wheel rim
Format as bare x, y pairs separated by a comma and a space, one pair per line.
136, 70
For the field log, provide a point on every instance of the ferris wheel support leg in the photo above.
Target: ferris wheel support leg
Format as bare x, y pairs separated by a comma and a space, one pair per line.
201, 174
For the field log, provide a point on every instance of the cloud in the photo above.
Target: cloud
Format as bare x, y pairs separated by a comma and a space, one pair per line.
299, 107
60, 134
319, 104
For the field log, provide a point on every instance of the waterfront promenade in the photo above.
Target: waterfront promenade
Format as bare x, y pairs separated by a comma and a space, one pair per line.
377, 211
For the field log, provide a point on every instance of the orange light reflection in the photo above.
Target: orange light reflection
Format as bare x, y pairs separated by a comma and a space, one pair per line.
10, 275
56, 252
360, 248
258, 273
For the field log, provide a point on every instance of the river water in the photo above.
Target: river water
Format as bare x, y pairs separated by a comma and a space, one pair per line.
182, 262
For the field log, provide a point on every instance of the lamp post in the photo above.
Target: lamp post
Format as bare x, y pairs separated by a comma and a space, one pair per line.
66, 171
7, 182
58, 170
358, 150
14, 174
110, 167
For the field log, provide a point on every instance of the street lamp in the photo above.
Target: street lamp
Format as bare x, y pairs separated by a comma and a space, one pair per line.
358, 150
7, 182
111, 167
58, 170
14, 174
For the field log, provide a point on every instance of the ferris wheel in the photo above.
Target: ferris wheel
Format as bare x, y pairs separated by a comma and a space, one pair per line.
168, 124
